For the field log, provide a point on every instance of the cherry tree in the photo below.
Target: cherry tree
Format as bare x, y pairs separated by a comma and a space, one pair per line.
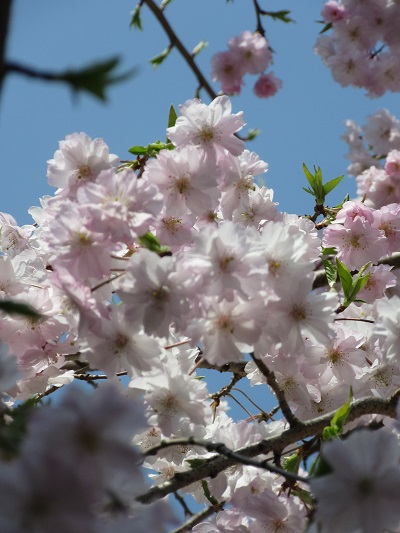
138, 275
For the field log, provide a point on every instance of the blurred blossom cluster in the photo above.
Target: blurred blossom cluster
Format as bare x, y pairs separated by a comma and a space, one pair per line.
248, 53
363, 46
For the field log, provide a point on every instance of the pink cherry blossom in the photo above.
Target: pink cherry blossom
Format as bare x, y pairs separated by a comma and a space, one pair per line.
364, 476
267, 85
210, 127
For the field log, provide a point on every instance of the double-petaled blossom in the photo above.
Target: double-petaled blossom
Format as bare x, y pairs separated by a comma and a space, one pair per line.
187, 181
211, 128
78, 160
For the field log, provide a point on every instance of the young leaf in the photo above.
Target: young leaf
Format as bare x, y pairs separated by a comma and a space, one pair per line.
292, 463
279, 15
172, 117
330, 271
358, 283
208, 494
150, 241
327, 27
308, 190
329, 251
138, 150
335, 429
96, 78
199, 47
309, 176
345, 277
157, 60
136, 21
330, 185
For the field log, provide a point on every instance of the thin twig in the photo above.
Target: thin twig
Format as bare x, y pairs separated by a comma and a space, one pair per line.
185, 508
177, 43
196, 519
242, 406
280, 395
221, 449
250, 400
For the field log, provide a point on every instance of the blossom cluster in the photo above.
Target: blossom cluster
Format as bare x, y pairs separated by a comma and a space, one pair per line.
363, 47
248, 53
149, 273
374, 151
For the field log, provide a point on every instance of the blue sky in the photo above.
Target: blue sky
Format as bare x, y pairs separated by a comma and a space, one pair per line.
303, 122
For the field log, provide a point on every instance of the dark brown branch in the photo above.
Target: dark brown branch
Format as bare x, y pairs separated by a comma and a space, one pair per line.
293, 421
177, 43
5, 13
235, 368
230, 454
182, 502
196, 519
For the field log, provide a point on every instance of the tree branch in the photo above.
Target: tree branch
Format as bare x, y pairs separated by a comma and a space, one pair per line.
5, 12
177, 43
194, 520
277, 443
221, 449
293, 421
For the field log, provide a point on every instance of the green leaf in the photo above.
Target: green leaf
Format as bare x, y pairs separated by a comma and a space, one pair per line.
149, 241
208, 494
329, 251
292, 463
172, 117
138, 150
339, 206
345, 277
199, 47
358, 283
330, 185
194, 463
96, 78
335, 429
151, 149
327, 27
164, 3
308, 190
309, 176
252, 134
330, 271
12, 307
136, 21
160, 58
304, 496
279, 15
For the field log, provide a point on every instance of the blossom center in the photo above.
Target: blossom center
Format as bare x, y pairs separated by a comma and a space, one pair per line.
298, 313
365, 487
224, 262
84, 172
182, 185
225, 322
171, 224
207, 134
